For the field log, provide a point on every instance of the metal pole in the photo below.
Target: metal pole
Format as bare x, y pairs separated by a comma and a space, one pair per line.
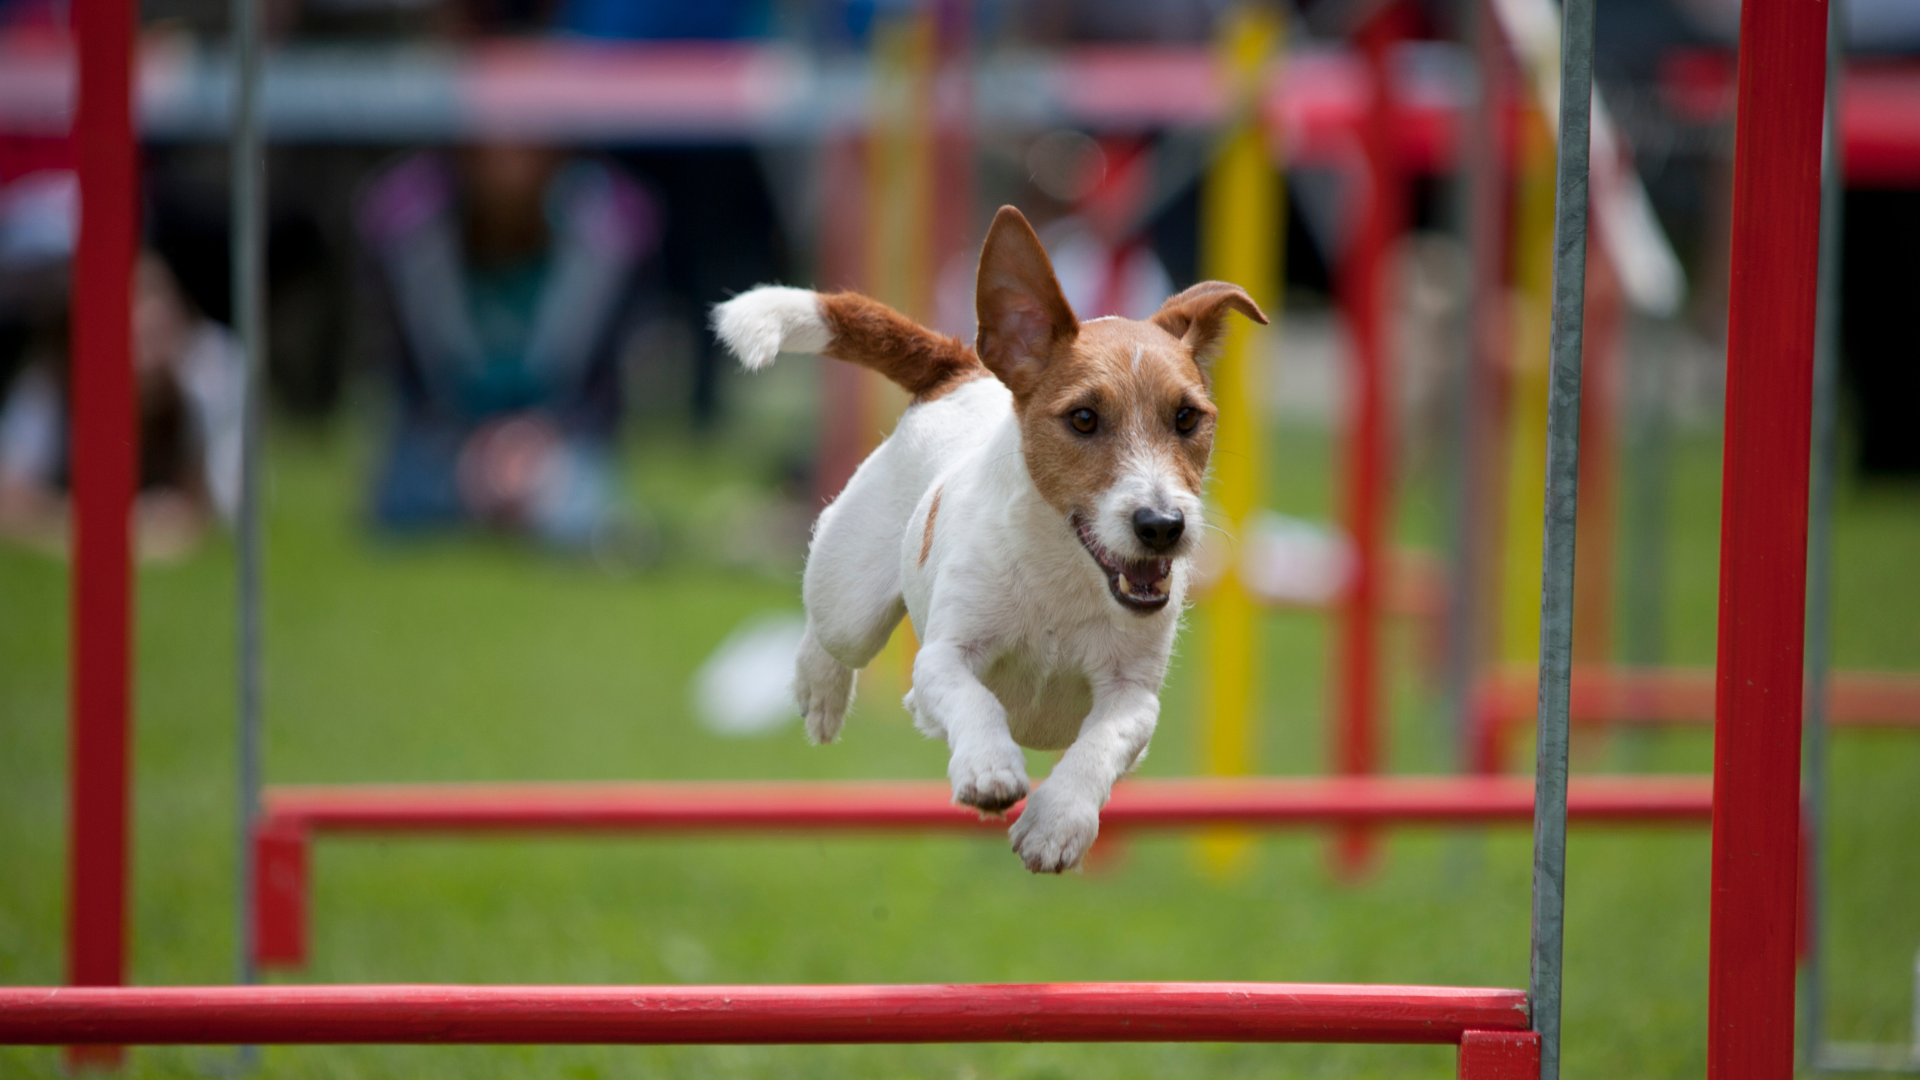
249, 313
1824, 466
1563, 485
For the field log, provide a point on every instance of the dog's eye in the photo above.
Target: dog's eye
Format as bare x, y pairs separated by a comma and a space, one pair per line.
1084, 421
1186, 420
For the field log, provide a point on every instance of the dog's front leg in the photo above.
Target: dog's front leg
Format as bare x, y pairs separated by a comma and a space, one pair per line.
987, 769
1062, 816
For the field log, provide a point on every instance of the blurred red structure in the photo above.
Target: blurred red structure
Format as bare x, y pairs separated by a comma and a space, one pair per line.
293, 816
1645, 697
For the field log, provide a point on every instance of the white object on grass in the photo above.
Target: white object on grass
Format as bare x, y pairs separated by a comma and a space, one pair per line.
1291, 561
742, 688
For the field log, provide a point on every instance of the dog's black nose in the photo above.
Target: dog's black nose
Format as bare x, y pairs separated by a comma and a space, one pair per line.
1157, 530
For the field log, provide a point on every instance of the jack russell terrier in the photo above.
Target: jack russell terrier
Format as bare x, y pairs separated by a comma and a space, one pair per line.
1034, 513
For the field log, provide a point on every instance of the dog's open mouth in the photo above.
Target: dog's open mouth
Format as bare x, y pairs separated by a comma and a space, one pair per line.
1138, 584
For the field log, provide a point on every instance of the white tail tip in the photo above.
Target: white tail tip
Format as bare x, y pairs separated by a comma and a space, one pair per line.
767, 320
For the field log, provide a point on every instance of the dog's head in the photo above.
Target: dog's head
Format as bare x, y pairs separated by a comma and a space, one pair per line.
1115, 419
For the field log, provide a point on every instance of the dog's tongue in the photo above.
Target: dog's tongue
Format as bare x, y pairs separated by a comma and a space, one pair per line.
1146, 578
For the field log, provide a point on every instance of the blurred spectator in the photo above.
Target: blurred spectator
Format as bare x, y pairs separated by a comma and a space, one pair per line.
1167, 21
504, 276
720, 233
190, 375
663, 20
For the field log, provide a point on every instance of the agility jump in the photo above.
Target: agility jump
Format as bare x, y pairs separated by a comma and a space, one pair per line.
1503, 1034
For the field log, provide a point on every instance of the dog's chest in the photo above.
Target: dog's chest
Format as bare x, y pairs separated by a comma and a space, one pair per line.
1045, 697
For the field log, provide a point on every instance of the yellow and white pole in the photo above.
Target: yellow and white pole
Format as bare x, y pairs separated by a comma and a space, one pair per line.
1527, 397
1241, 221
901, 208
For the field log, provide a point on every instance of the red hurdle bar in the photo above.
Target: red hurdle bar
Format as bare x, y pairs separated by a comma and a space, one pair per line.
292, 815
1379, 216
1656, 696
812, 807
782, 1015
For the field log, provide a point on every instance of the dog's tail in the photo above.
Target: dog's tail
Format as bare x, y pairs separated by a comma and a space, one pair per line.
770, 319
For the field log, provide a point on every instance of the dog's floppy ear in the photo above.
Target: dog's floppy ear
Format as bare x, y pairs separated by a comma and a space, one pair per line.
1198, 316
1023, 315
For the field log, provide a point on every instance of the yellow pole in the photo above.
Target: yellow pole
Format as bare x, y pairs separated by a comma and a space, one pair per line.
1527, 401
1241, 223
900, 185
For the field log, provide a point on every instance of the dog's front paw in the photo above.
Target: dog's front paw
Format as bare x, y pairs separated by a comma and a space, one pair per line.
823, 689
989, 780
1055, 830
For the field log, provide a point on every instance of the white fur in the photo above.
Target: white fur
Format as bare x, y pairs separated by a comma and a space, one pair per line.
1146, 478
1021, 643
761, 323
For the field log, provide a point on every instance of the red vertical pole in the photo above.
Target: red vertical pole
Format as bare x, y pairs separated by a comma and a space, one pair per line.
281, 892
1365, 288
952, 228
1499, 1055
1491, 316
846, 412
102, 453
1763, 532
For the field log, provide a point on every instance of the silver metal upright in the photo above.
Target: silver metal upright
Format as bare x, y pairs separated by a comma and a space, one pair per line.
1816, 1051
1562, 498
248, 165
1823, 468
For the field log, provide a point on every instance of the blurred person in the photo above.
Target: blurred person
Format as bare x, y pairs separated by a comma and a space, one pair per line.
664, 20
503, 276
721, 230
190, 378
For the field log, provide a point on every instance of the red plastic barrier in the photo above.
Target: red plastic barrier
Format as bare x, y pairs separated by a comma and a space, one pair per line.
1602, 694
290, 815
280, 896
1500, 1055
104, 438
1666, 695
660, 1015
1763, 538
669, 806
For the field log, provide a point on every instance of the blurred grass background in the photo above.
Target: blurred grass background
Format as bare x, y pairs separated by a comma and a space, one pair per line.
470, 659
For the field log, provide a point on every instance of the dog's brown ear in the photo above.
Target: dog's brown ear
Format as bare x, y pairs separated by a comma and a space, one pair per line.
1198, 316
1023, 315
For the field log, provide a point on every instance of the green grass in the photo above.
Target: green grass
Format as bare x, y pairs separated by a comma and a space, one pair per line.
477, 660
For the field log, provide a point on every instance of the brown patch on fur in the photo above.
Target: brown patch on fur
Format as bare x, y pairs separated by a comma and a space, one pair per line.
926, 538
1135, 378
871, 334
